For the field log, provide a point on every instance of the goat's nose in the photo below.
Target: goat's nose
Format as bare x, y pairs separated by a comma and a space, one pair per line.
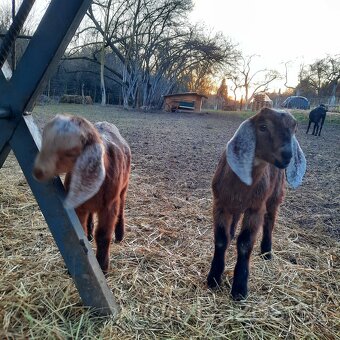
38, 174
286, 154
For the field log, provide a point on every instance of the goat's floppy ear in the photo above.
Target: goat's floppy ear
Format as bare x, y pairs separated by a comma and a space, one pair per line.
241, 152
297, 166
87, 176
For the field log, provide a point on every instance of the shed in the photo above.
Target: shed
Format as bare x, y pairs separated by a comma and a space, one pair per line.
261, 100
296, 102
191, 101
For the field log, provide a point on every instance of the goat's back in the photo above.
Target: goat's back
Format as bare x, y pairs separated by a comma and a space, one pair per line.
110, 134
118, 152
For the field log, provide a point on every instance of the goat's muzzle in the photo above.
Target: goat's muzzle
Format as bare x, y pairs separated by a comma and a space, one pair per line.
286, 156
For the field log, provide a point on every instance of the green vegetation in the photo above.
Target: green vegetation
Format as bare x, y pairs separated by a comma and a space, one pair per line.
300, 115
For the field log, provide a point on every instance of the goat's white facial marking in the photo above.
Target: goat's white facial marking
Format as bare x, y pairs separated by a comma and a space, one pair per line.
297, 166
61, 144
241, 152
62, 133
87, 176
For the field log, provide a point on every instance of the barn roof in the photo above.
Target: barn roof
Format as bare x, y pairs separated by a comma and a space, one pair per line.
184, 94
262, 96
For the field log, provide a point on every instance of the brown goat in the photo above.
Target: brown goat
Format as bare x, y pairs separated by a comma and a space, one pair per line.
96, 160
250, 180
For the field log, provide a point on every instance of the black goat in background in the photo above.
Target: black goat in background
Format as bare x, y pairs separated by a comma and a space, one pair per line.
317, 116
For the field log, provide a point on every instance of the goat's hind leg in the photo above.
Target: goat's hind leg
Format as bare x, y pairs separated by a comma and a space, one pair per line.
315, 129
120, 226
310, 122
90, 227
222, 238
103, 235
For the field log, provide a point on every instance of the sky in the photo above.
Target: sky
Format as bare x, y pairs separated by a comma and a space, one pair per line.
300, 31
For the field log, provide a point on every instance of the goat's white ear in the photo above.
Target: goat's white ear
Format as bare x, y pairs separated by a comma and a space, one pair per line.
87, 176
241, 152
297, 166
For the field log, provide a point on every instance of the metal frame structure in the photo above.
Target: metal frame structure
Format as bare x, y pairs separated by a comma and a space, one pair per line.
19, 133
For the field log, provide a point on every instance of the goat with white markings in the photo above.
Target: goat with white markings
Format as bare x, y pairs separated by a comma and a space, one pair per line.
250, 180
96, 160
317, 116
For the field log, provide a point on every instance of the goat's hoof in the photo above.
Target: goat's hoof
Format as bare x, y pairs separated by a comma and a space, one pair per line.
213, 282
266, 255
119, 235
119, 239
239, 293
105, 272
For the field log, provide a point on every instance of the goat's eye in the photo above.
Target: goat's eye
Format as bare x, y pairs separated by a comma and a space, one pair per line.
263, 127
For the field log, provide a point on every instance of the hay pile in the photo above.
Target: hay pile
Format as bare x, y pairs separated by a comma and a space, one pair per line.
158, 273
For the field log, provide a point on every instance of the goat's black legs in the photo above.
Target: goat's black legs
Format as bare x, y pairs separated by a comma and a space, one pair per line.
251, 222
310, 122
222, 237
321, 125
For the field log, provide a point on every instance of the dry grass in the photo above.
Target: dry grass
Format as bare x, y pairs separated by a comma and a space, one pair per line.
158, 273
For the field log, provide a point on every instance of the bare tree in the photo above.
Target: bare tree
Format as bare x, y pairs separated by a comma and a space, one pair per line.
154, 47
254, 82
236, 81
322, 75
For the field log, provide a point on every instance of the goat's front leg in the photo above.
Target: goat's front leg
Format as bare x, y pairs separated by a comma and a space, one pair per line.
252, 220
103, 235
222, 237
83, 216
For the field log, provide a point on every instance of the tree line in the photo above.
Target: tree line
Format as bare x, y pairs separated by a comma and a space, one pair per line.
132, 52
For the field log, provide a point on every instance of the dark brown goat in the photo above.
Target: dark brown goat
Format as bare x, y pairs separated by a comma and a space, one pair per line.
96, 160
250, 180
317, 116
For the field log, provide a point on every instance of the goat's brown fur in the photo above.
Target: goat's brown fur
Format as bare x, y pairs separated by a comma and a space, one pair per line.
258, 201
109, 202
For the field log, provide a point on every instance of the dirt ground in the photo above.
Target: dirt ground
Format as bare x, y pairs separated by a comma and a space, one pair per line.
158, 273
177, 153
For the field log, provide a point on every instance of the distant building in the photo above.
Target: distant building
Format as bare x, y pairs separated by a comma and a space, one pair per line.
187, 101
296, 102
261, 100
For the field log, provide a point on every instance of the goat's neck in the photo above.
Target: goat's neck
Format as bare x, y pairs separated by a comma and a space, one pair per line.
259, 167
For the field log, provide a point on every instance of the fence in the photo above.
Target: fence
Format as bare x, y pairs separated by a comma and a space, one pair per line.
333, 103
